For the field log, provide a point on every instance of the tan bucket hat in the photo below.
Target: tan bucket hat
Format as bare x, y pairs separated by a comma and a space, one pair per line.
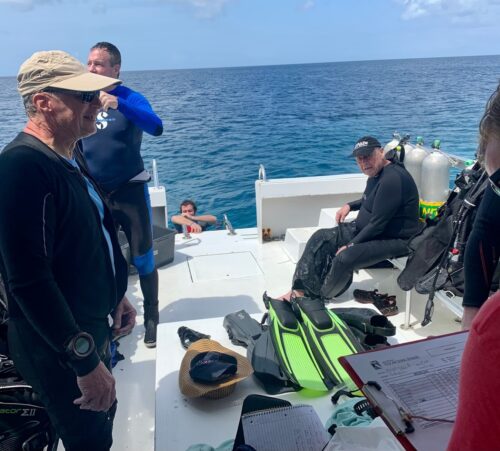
58, 69
192, 389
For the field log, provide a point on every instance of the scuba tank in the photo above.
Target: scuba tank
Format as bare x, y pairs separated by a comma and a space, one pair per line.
397, 147
396, 138
413, 162
435, 182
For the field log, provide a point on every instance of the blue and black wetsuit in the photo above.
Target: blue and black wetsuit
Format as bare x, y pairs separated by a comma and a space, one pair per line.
388, 217
113, 157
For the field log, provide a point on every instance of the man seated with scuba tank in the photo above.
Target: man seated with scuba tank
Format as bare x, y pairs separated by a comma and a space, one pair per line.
387, 218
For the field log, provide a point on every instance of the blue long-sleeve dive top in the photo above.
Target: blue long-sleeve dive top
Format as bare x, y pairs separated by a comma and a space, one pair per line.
113, 153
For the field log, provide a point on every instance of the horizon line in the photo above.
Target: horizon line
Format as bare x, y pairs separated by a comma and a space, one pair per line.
299, 64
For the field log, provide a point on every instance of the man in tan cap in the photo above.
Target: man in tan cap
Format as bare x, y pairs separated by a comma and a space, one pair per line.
59, 256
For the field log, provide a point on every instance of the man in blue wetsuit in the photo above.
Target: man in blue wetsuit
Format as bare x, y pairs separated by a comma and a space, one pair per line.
114, 159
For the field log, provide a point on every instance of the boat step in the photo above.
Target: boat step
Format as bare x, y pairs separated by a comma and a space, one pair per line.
296, 238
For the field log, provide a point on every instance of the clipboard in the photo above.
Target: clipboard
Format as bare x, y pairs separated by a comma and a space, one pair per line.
419, 378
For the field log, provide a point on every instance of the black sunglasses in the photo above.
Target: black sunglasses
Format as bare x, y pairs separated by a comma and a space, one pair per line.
84, 96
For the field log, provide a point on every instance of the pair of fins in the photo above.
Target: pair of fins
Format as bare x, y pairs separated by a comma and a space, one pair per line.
309, 339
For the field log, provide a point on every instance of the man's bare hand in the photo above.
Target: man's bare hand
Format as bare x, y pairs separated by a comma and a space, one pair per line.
98, 389
123, 318
342, 249
108, 101
195, 228
468, 316
342, 212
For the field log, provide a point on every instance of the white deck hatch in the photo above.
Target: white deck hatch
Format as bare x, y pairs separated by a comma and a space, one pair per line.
234, 265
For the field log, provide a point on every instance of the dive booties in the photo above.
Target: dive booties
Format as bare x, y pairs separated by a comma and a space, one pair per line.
151, 320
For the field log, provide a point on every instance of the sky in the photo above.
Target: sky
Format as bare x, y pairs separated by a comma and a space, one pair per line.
180, 34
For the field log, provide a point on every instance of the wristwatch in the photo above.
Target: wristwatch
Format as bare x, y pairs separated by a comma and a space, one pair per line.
80, 346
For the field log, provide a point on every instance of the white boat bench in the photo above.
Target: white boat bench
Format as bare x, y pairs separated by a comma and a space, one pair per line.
296, 240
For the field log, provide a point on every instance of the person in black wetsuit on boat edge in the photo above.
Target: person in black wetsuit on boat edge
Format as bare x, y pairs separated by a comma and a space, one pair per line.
113, 156
387, 218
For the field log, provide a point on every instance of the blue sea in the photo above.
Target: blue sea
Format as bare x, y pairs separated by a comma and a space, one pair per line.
296, 120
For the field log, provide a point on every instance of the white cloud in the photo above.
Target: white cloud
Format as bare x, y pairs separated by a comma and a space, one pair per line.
308, 4
26, 5
204, 8
456, 10
201, 8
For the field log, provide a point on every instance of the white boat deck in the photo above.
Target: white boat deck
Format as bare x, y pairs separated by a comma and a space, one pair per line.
214, 274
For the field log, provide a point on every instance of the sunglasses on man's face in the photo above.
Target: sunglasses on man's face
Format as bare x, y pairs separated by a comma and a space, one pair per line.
84, 96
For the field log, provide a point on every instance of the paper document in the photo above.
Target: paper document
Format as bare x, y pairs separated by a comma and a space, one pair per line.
292, 428
420, 377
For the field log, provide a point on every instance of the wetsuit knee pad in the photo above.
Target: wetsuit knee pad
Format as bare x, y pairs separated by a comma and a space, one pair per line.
145, 264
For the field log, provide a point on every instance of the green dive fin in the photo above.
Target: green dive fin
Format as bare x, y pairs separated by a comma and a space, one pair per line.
329, 337
292, 348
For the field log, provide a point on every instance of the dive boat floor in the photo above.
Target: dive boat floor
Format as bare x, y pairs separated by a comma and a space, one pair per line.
214, 274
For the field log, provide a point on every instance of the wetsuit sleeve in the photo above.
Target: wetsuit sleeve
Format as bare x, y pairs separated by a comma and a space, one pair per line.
388, 199
27, 240
482, 251
137, 109
355, 205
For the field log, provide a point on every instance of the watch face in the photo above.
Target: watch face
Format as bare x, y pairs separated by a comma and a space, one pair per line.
82, 345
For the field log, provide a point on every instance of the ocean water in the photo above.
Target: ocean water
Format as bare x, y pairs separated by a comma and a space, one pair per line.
296, 120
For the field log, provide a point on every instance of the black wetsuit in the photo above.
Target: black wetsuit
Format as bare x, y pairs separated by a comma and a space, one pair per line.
113, 155
61, 276
388, 217
483, 248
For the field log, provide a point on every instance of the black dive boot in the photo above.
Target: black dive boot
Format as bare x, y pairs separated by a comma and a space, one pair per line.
150, 325
149, 287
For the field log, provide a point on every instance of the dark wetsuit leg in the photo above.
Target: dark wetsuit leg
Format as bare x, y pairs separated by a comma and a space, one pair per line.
55, 383
131, 209
317, 258
359, 256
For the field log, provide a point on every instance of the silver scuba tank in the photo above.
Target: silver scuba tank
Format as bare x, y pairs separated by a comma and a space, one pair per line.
413, 162
392, 143
395, 146
435, 181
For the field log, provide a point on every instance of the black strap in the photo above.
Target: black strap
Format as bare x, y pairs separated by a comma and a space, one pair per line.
364, 406
468, 204
350, 394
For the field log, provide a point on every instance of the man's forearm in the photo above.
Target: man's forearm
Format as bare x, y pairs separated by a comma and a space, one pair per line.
182, 220
141, 114
205, 218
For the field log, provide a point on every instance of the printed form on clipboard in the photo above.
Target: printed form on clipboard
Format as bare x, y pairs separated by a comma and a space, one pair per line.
417, 379
290, 428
